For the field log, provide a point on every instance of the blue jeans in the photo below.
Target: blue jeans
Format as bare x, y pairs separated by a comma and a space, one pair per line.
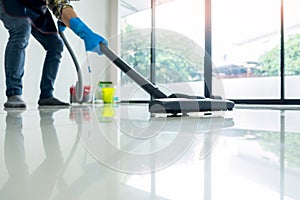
19, 29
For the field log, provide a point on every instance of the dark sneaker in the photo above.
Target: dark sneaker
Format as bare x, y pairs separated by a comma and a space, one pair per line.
51, 101
15, 102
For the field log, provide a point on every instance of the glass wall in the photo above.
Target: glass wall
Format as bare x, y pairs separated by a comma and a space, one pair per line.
135, 45
180, 46
292, 48
179, 41
246, 47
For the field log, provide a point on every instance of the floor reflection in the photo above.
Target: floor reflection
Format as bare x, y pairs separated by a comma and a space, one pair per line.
21, 183
128, 140
123, 152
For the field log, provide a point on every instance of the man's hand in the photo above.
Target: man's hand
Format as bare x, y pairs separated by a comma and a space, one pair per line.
91, 39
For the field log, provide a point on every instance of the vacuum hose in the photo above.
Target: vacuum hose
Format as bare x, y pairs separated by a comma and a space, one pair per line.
79, 88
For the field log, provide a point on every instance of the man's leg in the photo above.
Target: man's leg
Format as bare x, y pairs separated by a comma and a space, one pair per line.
53, 45
19, 29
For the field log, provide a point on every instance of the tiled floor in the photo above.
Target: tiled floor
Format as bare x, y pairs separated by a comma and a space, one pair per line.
121, 152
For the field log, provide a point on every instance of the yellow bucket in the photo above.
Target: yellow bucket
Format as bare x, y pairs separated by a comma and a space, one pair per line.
108, 94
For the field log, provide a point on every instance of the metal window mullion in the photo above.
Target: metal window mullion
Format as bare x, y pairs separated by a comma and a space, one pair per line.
208, 52
153, 44
282, 70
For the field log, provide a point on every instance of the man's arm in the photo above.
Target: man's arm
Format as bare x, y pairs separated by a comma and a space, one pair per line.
69, 18
67, 14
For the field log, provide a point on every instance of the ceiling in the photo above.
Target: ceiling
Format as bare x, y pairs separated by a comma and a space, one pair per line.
132, 6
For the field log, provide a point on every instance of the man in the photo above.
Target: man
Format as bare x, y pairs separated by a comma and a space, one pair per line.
24, 17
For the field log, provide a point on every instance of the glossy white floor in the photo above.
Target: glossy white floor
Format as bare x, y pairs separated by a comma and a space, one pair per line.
121, 152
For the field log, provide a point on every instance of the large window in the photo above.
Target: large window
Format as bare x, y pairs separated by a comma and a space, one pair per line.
180, 46
254, 47
135, 45
292, 48
246, 47
179, 41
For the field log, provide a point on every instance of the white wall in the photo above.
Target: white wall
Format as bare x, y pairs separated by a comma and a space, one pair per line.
96, 14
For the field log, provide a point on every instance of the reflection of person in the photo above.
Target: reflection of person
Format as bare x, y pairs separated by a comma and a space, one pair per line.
22, 184
91, 172
24, 17
14, 155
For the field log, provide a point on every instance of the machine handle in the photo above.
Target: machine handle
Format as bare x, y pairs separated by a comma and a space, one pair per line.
149, 87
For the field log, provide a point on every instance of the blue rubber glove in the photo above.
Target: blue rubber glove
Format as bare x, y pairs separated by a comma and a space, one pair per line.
91, 39
61, 26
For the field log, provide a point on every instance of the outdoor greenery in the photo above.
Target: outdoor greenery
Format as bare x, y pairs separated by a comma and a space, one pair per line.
271, 140
178, 59
270, 61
